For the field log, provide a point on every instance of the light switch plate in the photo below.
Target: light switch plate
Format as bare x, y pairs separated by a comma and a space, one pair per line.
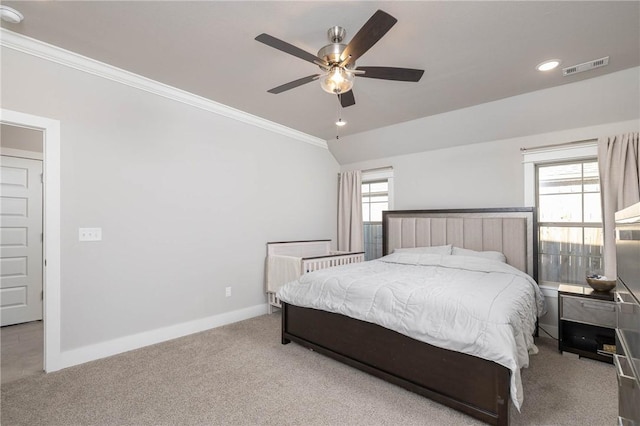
90, 234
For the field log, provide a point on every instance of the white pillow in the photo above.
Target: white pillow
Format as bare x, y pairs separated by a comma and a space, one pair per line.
491, 255
445, 250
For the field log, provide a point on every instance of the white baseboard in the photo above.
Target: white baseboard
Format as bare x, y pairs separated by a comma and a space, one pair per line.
136, 341
550, 291
551, 329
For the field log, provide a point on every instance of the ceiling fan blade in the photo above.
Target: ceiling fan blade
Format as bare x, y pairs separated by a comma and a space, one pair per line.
372, 31
391, 73
347, 99
294, 84
288, 48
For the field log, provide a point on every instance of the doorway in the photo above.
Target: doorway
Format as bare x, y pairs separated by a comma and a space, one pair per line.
21, 257
50, 136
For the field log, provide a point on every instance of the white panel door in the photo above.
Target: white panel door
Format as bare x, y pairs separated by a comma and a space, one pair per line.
20, 240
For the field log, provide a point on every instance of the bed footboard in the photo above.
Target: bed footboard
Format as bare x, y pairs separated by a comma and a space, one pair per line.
472, 385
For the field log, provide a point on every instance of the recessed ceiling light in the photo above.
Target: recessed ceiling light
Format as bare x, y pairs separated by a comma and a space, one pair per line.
548, 65
340, 123
9, 14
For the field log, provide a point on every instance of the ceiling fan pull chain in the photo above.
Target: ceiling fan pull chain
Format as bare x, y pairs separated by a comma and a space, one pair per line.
339, 116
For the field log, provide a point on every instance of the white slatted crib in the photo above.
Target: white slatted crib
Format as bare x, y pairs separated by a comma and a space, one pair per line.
288, 260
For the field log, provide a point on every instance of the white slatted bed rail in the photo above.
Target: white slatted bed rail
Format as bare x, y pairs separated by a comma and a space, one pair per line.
288, 260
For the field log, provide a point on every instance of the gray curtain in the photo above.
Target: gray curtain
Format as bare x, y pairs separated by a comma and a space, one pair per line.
618, 161
350, 232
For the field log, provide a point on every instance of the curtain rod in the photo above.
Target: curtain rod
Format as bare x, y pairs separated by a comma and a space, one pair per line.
378, 168
374, 169
557, 145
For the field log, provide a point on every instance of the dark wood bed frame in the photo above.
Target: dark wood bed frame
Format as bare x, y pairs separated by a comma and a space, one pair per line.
472, 385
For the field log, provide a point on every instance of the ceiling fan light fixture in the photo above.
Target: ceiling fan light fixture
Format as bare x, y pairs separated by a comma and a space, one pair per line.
548, 65
337, 81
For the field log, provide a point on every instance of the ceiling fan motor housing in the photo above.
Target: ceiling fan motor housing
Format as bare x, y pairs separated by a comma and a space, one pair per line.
331, 53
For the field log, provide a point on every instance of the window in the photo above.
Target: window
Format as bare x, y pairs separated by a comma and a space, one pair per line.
569, 221
377, 196
375, 199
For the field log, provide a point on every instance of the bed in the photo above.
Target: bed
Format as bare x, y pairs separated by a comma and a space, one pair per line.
471, 384
288, 260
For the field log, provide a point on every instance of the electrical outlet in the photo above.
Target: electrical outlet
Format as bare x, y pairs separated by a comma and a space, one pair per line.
227, 292
90, 234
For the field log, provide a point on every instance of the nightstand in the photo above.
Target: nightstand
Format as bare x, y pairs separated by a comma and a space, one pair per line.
587, 321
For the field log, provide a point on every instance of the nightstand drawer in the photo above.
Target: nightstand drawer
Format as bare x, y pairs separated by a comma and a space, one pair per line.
589, 311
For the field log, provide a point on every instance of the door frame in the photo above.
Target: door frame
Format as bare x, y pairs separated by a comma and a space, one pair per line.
51, 228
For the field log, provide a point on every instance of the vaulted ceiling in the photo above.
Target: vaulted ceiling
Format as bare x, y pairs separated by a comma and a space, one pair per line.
472, 52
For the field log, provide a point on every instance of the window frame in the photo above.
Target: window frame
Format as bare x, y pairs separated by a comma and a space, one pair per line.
379, 175
570, 152
582, 225
369, 176
582, 192
386, 193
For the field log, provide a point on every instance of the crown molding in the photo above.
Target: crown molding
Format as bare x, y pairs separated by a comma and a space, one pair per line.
37, 48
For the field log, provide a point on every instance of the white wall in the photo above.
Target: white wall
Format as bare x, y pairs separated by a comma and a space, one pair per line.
488, 174
606, 99
186, 200
471, 157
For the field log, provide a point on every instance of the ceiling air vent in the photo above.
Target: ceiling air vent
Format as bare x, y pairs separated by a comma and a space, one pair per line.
597, 63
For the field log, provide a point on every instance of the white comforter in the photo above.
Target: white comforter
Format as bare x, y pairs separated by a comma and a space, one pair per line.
476, 306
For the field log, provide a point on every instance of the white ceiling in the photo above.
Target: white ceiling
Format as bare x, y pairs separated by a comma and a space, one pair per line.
473, 52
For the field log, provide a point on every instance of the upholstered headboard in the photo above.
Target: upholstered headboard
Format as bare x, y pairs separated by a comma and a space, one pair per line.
511, 231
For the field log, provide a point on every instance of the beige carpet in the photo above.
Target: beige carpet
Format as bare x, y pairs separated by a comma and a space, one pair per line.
22, 350
240, 374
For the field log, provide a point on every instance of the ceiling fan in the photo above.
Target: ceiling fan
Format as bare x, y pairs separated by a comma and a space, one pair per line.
338, 61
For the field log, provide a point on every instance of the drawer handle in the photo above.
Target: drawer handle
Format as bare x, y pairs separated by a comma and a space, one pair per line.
598, 306
623, 379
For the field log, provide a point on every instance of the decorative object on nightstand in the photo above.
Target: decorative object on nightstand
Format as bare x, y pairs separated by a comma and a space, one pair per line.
587, 322
600, 283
